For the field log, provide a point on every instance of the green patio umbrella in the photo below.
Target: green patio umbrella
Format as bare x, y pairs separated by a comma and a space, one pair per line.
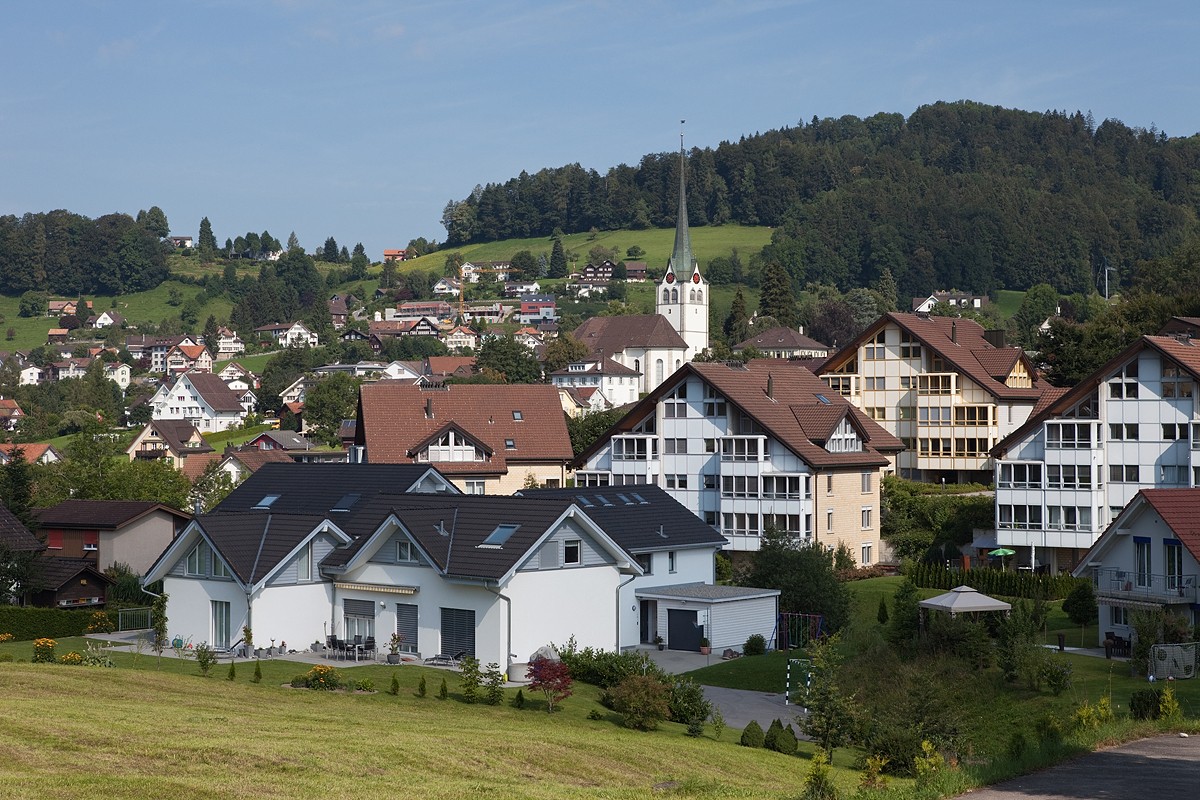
1002, 551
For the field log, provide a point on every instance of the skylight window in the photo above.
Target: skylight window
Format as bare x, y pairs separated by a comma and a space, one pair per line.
347, 502
624, 499
586, 503
518, 416
502, 534
641, 500
603, 500
824, 399
510, 444
266, 502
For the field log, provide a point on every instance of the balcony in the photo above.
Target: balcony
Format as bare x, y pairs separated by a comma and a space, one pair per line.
1129, 585
635, 448
744, 448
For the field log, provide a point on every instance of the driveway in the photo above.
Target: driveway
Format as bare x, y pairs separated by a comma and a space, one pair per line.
738, 706
1165, 766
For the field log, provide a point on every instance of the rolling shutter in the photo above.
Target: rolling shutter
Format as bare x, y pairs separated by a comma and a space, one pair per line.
458, 631
359, 608
406, 626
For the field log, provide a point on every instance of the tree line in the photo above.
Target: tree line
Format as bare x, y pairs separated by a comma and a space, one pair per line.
958, 195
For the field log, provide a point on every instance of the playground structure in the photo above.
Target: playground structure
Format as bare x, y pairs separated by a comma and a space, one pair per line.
794, 631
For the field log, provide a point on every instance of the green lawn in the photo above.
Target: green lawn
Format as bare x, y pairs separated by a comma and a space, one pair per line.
161, 730
255, 363
1009, 300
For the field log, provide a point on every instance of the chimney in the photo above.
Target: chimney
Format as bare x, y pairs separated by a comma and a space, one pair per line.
954, 331
996, 338
770, 386
428, 408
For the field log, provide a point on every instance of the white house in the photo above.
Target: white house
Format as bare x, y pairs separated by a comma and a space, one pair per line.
460, 337
289, 334
202, 399
228, 343
30, 375
1085, 452
619, 385
1149, 557
367, 550
446, 287
119, 373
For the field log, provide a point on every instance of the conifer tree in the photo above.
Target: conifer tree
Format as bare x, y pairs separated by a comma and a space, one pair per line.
558, 261
777, 299
737, 324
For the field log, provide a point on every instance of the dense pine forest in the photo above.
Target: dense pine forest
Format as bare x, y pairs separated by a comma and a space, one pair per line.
958, 195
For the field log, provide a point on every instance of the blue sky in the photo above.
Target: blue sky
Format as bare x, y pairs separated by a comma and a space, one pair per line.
361, 119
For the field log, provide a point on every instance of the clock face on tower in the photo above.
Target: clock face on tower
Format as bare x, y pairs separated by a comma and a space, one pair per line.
670, 277
695, 277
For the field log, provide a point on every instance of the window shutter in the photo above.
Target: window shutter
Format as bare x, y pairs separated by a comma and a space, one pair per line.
406, 626
359, 608
458, 631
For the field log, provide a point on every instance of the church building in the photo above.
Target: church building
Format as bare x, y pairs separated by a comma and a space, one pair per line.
658, 344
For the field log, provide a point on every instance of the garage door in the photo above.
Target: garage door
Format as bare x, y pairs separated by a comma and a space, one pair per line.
682, 631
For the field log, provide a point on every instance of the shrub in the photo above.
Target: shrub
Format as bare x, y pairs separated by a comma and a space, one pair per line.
257, 672
26, 622
881, 616
695, 728
928, 765
493, 682
364, 685
872, 777
756, 645
552, 678
299, 682
206, 657
1090, 717
605, 668
1056, 673
773, 730
395, 688
323, 677
6, 658
718, 722
72, 658
1168, 706
785, 741
686, 701
100, 623
43, 651
1049, 731
642, 701
422, 688
595, 714
6, 637
443, 691
1144, 704
232, 674
818, 784
469, 679
519, 700
752, 735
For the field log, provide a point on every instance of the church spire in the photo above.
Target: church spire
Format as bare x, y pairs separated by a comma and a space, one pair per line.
681, 256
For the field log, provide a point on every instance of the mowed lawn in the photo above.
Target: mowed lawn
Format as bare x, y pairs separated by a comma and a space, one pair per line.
166, 731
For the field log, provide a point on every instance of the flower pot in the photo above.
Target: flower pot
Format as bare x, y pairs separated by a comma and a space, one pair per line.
393, 658
662, 646
705, 651
259, 652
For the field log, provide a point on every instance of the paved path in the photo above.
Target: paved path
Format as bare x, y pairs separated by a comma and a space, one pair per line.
1162, 767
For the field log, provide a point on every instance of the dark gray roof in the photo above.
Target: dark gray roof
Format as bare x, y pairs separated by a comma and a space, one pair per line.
634, 516
14, 535
253, 543
466, 521
56, 571
705, 592
317, 488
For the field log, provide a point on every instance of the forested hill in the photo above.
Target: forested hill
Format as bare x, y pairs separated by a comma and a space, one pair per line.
958, 195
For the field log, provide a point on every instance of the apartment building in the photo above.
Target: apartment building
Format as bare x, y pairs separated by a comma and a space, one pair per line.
747, 446
948, 389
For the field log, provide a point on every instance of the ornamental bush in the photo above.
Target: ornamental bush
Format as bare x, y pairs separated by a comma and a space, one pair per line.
25, 623
206, 658
100, 622
642, 701
756, 645
43, 651
72, 658
323, 677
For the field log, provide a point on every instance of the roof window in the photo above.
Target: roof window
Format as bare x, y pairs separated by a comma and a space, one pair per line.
518, 416
265, 503
510, 444
502, 534
346, 503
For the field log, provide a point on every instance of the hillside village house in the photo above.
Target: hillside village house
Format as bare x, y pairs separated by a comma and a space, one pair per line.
600, 382
943, 386
10, 413
487, 439
782, 342
1148, 558
200, 398
119, 373
460, 337
105, 319
367, 550
188, 358
537, 307
446, 287
288, 334
155, 348
747, 446
33, 452
974, 302
107, 532
228, 343
175, 440
1065, 474
644, 343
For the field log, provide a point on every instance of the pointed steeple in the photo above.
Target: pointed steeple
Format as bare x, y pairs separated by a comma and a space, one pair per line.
681, 256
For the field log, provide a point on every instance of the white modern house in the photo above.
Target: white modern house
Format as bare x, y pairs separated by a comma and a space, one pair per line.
303, 552
202, 399
617, 383
1149, 557
1065, 474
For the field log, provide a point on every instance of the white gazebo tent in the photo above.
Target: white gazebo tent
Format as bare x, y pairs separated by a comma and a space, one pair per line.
964, 600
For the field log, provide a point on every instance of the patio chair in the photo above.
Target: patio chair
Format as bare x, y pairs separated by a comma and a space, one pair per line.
369, 646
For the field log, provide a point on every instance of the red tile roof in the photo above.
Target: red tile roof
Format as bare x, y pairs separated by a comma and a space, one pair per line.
781, 337
393, 420
32, 450
1180, 509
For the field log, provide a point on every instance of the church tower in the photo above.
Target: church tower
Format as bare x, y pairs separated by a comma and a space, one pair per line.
682, 295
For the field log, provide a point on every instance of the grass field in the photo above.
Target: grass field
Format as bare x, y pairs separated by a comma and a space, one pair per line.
161, 730
1009, 300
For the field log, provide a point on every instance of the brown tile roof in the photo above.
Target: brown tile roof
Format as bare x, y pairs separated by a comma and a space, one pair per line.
32, 450
960, 342
100, 514
793, 413
1180, 509
195, 464
176, 433
781, 337
252, 458
10, 408
449, 365
192, 351
215, 391
392, 420
1050, 394
1181, 351
598, 366
614, 334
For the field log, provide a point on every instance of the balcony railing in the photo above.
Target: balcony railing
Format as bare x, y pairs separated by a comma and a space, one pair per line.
1145, 586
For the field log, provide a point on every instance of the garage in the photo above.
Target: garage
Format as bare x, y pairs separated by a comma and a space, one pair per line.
726, 615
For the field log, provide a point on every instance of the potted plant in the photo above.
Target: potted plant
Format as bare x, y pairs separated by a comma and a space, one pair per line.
247, 639
705, 649
658, 640
393, 655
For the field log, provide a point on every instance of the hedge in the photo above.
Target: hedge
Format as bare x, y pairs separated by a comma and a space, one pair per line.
994, 581
26, 623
